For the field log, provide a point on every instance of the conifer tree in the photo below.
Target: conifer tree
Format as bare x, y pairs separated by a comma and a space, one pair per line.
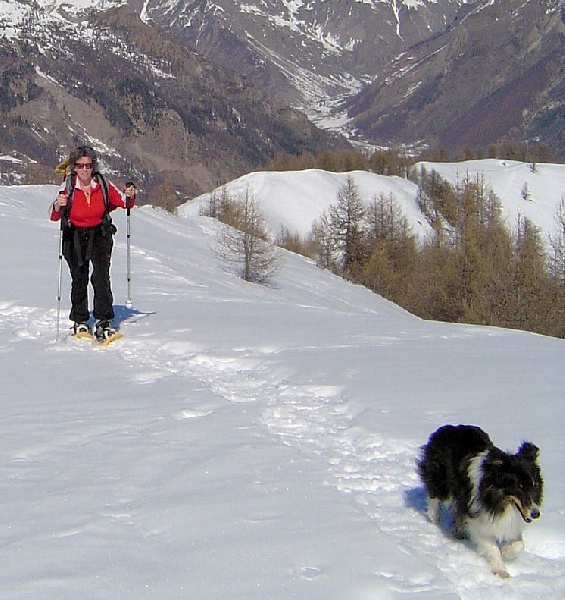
557, 246
530, 280
392, 250
346, 223
322, 241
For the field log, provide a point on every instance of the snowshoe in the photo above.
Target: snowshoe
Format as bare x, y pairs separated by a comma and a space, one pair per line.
82, 331
81, 328
106, 334
104, 331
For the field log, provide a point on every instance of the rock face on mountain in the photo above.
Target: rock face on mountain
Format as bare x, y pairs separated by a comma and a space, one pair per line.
439, 73
197, 92
155, 110
305, 52
496, 75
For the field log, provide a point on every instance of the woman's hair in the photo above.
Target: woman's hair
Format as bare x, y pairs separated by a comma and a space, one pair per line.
80, 152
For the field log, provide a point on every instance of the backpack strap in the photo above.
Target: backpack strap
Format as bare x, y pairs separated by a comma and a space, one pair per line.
69, 192
107, 219
105, 190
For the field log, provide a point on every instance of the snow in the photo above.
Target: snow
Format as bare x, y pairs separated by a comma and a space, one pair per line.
245, 441
296, 199
508, 179
73, 5
13, 13
11, 17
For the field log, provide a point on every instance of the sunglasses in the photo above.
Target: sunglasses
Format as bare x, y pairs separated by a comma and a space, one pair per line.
83, 165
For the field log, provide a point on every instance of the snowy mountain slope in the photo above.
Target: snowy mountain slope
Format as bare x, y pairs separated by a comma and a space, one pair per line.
207, 86
14, 13
243, 441
316, 49
524, 191
294, 200
308, 52
73, 75
494, 75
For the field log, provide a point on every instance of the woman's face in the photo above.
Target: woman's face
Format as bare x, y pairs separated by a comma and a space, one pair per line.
83, 169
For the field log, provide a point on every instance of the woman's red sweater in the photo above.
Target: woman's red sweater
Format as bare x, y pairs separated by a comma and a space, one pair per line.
89, 212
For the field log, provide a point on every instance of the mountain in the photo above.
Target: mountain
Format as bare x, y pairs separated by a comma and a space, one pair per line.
497, 74
441, 73
248, 442
155, 110
309, 53
198, 92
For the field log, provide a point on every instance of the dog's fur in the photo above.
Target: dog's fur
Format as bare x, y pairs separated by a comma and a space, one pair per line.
492, 494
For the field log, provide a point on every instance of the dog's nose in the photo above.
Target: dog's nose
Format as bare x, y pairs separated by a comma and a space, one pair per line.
535, 513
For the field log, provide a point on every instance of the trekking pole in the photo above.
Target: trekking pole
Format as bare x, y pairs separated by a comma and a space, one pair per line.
128, 258
60, 278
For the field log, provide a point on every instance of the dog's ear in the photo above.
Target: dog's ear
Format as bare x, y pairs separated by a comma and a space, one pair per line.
497, 457
528, 451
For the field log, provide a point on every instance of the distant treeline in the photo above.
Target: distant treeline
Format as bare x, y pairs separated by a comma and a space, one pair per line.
399, 162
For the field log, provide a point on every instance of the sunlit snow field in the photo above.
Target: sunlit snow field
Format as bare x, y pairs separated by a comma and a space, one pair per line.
247, 442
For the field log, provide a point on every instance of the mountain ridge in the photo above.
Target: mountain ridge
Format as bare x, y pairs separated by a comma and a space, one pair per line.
196, 93
488, 79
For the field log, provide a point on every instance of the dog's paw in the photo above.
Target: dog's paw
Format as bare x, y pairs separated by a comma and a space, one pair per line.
501, 572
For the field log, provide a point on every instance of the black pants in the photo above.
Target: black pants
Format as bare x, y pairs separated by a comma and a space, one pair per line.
81, 248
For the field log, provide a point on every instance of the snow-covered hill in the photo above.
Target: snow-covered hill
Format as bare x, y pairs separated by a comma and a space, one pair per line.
525, 190
294, 200
243, 441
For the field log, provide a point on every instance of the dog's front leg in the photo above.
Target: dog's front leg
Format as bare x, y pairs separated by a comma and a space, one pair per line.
434, 510
512, 549
490, 550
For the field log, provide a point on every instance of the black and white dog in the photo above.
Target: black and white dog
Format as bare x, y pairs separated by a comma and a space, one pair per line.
492, 494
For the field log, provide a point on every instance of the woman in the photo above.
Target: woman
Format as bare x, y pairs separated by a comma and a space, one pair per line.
84, 204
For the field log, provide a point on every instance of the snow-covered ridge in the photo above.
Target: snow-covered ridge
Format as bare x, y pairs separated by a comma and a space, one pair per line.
14, 13
73, 5
294, 200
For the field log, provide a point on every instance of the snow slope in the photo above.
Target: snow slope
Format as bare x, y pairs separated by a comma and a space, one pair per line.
509, 180
295, 199
247, 442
